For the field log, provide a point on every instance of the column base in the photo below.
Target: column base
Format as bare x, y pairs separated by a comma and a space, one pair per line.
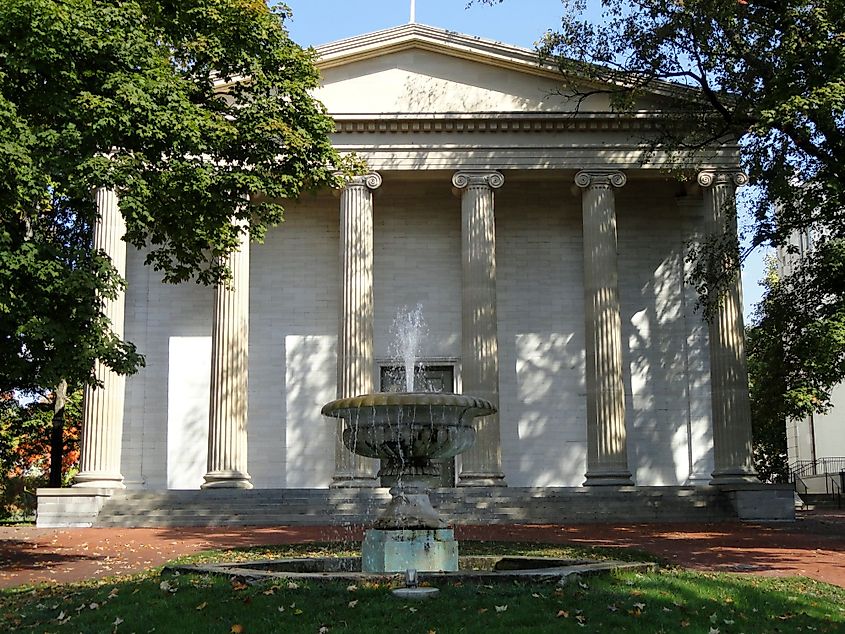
226, 480
610, 477
482, 480
735, 475
98, 480
353, 482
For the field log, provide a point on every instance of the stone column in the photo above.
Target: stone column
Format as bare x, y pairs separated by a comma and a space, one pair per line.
728, 371
481, 465
355, 356
102, 410
227, 413
607, 449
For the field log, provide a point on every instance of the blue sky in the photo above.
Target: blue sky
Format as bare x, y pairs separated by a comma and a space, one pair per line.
519, 22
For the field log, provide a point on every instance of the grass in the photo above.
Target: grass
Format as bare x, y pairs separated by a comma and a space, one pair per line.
670, 600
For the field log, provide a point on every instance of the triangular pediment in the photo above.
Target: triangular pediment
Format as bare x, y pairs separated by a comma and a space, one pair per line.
420, 69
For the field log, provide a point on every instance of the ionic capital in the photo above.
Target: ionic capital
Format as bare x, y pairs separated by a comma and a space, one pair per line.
600, 178
370, 181
714, 178
488, 179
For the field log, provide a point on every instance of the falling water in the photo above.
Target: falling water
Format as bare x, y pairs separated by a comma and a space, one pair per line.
408, 330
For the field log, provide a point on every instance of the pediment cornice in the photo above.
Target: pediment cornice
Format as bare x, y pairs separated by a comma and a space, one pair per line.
492, 123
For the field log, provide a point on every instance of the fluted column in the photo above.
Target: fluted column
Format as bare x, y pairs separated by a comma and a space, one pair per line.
355, 357
728, 371
102, 410
227, 414
481, 465
607, 448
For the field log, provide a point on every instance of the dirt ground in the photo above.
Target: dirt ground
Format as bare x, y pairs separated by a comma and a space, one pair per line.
812, 546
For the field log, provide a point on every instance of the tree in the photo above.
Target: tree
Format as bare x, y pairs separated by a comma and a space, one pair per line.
26, 458
183, 107
770, 77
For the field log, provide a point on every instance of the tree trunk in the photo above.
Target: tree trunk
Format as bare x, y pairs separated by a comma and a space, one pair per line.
57, 440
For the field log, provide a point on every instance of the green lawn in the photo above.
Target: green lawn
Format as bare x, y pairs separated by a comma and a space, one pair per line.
670, 600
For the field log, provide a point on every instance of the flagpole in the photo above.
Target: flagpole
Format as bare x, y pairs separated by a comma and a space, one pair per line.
413, 12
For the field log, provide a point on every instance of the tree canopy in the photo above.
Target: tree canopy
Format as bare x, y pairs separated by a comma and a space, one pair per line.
770, 77
182, 108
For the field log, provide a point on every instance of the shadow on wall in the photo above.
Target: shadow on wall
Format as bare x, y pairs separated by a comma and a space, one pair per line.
662, 440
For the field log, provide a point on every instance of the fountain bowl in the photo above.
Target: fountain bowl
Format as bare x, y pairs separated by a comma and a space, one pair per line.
407, 430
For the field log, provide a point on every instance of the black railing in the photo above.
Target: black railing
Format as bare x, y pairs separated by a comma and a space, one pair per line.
820, 466
833, 489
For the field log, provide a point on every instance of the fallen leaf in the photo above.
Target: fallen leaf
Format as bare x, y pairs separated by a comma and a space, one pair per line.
61, 615
713, 630
713, 618
412, 610
113, 593
640, 606
583, 585
281, 608
117, 621
667, 609
237, 628
202, 606
270, 591
94, 606
535, 595
612, 607
238, 585
292, 585
482, 610
352, 588
563, 613
728, 621
501, 608
323, 629
352, 604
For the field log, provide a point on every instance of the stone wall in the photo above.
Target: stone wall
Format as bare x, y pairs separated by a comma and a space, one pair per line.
294, 305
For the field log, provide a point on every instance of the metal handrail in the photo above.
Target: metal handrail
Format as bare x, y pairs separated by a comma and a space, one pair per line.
832, 488
820, 466
800, 486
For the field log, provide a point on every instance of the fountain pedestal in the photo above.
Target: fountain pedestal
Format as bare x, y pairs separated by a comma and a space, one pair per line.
407, 431
426, 550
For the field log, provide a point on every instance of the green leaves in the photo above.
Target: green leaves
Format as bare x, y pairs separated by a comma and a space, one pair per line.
183, 108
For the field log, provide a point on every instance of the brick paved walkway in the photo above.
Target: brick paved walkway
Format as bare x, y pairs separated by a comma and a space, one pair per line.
813, 546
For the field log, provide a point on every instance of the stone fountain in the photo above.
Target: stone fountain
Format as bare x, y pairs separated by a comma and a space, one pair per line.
408, 431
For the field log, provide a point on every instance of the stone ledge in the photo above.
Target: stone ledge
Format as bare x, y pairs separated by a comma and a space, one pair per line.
70, 508
762, 502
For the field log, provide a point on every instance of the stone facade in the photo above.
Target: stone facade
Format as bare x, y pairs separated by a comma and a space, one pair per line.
549, 263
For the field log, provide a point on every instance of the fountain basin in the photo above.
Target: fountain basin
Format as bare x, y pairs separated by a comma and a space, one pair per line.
409, 430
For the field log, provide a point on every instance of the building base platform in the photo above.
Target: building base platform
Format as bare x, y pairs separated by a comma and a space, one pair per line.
467, 505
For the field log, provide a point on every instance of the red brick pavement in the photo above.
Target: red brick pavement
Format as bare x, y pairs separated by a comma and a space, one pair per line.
813, 546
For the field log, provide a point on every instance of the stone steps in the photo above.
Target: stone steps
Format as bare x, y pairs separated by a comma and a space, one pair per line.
339, 507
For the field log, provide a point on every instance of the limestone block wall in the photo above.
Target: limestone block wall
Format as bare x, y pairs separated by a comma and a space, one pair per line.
294, 303
541, 334
661, 341
417, 259
159, 313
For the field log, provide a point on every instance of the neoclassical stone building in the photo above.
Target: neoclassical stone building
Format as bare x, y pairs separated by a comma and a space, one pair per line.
549, 261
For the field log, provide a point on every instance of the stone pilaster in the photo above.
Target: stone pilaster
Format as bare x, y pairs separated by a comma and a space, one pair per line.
607, 449
227, 414
481, 465
355, 356
102, 411
728, 371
